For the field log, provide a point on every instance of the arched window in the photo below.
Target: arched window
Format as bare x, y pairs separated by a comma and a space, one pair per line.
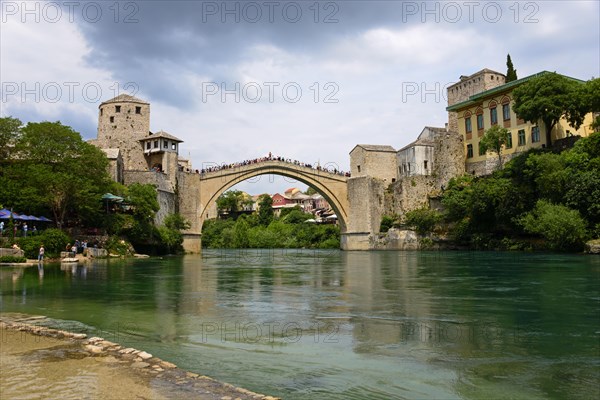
493, 112
468, 126
479, 113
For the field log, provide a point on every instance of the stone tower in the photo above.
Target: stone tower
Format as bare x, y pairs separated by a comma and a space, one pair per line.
122, 122
468, 86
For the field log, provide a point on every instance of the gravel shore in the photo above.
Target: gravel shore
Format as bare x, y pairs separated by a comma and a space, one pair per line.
41, 362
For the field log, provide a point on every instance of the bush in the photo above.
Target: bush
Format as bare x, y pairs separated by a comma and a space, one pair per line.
423, 220
30, 245
561, 227
116, 245
386, 223
54, 241
12, 259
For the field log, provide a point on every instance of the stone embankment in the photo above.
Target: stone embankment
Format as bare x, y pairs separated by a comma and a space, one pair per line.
139, 363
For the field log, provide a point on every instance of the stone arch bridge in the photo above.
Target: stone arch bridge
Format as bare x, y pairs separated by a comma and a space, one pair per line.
198, 192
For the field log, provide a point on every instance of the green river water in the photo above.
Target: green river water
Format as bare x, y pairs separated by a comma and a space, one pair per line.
304, 324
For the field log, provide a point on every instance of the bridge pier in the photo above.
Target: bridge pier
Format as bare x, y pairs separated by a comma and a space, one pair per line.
355, 240
192, 242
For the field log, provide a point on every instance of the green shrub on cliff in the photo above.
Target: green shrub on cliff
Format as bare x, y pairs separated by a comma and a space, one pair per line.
422, 220
561, 227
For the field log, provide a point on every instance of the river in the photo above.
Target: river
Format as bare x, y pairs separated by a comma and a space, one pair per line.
305, 324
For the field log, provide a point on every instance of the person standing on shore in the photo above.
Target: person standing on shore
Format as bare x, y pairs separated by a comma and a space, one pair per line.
41, 254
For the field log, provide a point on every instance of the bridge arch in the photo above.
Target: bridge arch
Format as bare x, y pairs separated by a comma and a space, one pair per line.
333, 187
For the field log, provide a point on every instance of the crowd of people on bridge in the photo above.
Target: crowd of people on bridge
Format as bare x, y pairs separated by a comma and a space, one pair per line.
270, 157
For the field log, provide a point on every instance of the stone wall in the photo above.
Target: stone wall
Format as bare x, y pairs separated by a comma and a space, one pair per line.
366, 198
189, 200
408, 194
124, 131
376, 164
449, 158
167, 198
395, 239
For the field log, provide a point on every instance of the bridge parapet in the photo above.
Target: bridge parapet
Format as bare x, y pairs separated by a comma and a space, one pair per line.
228, 170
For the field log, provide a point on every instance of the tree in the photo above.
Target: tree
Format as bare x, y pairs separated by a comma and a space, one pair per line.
511, 72
563, 228
423, 220
265, 209
549, 97
176, 222
9, 135
310, 191
494, 140
143, 199
591, 94
52, 168
230, 201
170, 234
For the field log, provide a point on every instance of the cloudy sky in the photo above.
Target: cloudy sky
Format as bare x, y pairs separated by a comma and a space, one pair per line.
304, 79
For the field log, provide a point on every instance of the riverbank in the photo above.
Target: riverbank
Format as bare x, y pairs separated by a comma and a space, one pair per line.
37, 360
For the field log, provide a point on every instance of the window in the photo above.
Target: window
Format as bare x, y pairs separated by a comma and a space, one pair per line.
479, 122
425, 164
165, 144
118, 109
493, 116
148, 144
101, 111
358, 166
112, 119
481, 151
156, 144
522, 137
535, 134
508, 143
506, 111
468, 127
469, 151
174, 146
138, 110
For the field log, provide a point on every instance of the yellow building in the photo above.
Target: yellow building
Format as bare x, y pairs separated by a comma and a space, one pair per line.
479, 111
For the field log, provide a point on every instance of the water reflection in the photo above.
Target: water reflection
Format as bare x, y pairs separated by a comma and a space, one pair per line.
306, 324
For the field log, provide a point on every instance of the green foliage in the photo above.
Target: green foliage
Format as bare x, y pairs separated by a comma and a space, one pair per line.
233, 201
246, 232
54, 241
9, 136
494, 140
177, 222
310, 191
13, 259
50, 168
295, 215
480, 207
265, 209
562, 227
31, 245
511, 72
119, 224
386, 223
425, 243
119, 246
423, 220
548, 98
170, 235
143, 199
